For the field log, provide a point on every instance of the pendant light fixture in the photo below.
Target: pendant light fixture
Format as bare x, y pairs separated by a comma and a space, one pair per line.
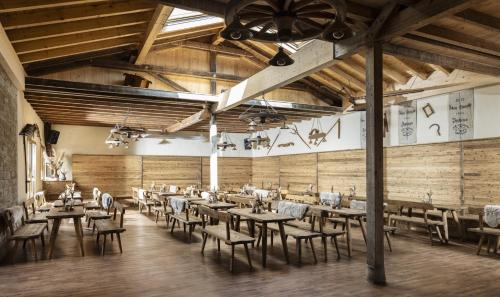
281, 59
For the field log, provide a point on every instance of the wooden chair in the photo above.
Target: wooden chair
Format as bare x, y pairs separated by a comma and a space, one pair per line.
110, 227
41, 202
26, 232
102, 213
30, 214
135, 196
223, 232
186, 220
162, 209
95, 203
491, 234
145, 201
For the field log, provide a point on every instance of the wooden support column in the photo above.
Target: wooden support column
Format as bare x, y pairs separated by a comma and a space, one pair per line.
214, 180
213, 69
375, 163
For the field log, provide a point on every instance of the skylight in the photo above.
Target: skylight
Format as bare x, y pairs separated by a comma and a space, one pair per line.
184, 19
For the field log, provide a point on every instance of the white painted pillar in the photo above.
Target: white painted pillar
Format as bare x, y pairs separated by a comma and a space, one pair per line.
214, 179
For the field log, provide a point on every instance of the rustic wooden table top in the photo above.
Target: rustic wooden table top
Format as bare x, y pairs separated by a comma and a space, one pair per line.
344, 212
266, 216
58, 213
216, 205
60, 203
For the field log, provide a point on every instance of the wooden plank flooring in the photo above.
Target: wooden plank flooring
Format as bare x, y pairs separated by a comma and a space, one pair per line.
154, 263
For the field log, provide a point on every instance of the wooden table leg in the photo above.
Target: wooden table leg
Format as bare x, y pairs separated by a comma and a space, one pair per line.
237, 227
78, 231
283, 241
264, 243
251, 231
53, 235
348, 234
445, 227
362, 226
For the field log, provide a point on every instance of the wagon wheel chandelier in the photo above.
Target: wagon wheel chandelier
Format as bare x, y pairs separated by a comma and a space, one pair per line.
261, 116
284, 21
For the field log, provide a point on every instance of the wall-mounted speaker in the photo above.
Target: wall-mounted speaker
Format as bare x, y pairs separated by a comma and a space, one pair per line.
53, 137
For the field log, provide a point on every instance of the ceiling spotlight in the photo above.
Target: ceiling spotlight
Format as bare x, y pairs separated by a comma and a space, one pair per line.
236, 31
337, 31
281, 59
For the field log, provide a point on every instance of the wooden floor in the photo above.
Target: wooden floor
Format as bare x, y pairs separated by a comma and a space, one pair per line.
154, 263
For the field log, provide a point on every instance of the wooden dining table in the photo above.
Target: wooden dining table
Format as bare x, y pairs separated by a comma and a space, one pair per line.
348, 214
219, 205
60, 203
263, 218
57, 214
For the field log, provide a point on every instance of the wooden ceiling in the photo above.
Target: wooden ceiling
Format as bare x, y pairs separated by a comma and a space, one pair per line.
75, 103
55, 33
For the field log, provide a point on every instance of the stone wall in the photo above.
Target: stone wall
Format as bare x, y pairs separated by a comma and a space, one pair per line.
8, 141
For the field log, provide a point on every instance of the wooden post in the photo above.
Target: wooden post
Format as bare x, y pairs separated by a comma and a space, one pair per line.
375, 163
214, 182
213, 69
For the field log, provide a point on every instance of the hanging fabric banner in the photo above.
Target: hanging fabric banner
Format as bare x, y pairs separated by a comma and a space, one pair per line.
461, 115
363, 129
407, 123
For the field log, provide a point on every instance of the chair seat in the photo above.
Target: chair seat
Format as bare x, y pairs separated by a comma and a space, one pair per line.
416, 220
97, 215
92, 205
182, 218
327, 230
219, 231
486, 231
160, 209
29, 231
37, 218
293, 231
45, 207
108, 226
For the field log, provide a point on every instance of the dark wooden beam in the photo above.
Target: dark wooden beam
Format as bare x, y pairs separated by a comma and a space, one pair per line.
486, 21
439, 59
168, 81
375, 164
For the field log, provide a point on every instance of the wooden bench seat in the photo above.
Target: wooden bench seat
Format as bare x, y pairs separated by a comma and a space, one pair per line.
187, 220
223, 232
107, 227
492, 235
402, 211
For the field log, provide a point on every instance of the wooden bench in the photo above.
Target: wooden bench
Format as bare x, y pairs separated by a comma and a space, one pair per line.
187, 220
145, 201
26, 232
223, 232
30, 214
491, 234
397, 213
109, 227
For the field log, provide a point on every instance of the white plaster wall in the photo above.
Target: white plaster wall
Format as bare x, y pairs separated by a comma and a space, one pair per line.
440, 105
487, 112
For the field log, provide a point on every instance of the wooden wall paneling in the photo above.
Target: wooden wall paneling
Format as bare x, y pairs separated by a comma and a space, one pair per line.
266, 171
412, 171
341, 170
178, 171
233, 172
297, 172
481, 172
111, 174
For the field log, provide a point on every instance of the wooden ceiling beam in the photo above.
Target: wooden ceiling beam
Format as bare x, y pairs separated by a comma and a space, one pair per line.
217, 39
414, 68
83, 26
477, 18
74, 13
442, 69
441, 59
25, 5
78, 49
156, 24
77, 39
220, 49
164, 79
458, 39
349, 80
190, 121
210, 28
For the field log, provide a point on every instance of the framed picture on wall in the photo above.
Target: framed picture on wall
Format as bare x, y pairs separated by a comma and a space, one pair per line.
428, 110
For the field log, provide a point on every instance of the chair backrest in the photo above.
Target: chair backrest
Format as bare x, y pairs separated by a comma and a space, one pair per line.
29, 207
479, 211
224, 217
40, 198
118, 207
135, 193
10, 218
95, 193
106, 201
